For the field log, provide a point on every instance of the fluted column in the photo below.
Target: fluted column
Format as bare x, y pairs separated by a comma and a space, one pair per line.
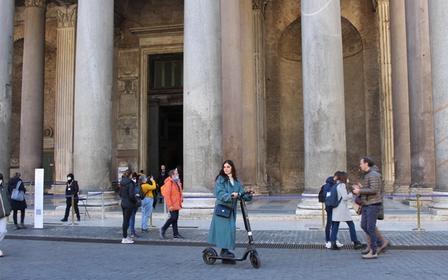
420, 95
65, 79
31, 117
387, 136
438, 23
323, 93
202, 94
6, 51
93, 93
260, 88
400, 97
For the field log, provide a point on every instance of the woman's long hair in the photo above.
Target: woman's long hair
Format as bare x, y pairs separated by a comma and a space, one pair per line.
341, 176
223, 174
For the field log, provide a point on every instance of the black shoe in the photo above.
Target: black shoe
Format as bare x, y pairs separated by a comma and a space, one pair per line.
22, 226
18, 227
357, 245
162, 234
226, 254
178, 236
78, 219
334, 246
64, 220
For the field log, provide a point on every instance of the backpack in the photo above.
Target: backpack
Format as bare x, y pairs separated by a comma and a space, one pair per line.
331, 197
321, 195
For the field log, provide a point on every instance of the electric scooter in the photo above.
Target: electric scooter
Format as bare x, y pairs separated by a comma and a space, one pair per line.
209, 255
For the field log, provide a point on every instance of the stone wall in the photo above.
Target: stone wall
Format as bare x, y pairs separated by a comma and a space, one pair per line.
285, 152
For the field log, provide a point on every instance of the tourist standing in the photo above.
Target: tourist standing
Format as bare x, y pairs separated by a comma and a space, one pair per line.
71, 192
128, 201
172, 193
17, 191
147, 188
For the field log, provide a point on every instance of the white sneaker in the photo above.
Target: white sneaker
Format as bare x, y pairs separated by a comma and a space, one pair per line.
127, 240
339, 244
1, 253
328, 245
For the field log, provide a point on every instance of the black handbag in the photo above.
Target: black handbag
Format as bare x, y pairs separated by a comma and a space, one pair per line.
223, 211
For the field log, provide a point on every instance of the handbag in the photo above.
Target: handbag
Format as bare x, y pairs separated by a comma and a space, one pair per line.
5, 206
223, 211
17, 194
381, 212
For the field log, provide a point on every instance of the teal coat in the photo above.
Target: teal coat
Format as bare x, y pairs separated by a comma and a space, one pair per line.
223, 230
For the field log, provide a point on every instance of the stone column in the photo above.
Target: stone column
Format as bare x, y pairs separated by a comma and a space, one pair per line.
420, 96
31, 118
260, 88
202, 95
65, 87
323, 95
93, 93
6, 51
387, 136
438, 23
154, 167
400, 97
232, 81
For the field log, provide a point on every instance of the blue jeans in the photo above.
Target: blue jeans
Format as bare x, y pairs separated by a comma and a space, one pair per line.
335, 229
368, 223
146, 211
132, 220
328, 224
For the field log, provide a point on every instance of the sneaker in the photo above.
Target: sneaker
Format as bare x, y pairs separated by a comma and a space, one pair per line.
334, 246
365, 251
178, 236
1, 254
135, 235
63, 220
357, 245
370, 255
18, 227
127, 240
328, 244
162, 234
339, 244
383, 247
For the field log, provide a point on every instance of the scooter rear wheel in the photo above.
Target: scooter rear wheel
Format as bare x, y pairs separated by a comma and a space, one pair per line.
208, 256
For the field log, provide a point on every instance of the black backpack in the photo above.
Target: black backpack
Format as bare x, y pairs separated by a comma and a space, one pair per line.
322, 194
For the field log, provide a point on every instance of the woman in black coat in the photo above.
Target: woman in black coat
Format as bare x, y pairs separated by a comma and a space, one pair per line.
71, 189
18, 203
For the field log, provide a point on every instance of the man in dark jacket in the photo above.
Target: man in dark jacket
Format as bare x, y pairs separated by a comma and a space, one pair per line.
371, 194
71, 192
128, 203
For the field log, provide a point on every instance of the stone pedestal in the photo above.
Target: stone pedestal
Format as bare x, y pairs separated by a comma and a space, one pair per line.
198, 204
6, 51
31, 116
65, 87
93, 93
420, 95
400, 98
323, 95
202, 95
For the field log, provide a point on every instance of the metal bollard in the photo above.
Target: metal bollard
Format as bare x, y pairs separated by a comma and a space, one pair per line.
73, 209
102, 207
419, 228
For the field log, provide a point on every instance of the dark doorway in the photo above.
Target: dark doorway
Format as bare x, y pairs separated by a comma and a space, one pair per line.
170, 136
165, 111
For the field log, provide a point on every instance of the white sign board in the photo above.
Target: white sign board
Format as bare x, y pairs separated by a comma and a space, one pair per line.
39, 198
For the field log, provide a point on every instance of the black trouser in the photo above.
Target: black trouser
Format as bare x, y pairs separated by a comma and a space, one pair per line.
68, 202
174, 216
127, 213
22, 216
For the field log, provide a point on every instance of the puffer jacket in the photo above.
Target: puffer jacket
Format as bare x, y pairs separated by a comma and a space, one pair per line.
127, 193
372, 187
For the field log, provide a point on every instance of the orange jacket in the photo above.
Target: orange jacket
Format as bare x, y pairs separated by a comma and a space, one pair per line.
172, 193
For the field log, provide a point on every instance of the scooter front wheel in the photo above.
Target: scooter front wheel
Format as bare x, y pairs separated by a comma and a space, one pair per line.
208, 255
255, 259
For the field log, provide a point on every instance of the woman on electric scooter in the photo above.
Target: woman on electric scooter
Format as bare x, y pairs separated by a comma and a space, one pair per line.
223, 230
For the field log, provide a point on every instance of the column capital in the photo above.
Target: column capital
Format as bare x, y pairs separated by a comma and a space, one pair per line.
259, 4
66, 16
35, 3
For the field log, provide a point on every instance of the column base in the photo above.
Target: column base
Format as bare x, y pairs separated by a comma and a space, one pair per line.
198, 204
425, 201
401, 190
439, 205
309, 207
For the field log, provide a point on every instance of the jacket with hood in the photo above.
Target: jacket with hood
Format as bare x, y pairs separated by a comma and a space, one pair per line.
127, 193
372, 187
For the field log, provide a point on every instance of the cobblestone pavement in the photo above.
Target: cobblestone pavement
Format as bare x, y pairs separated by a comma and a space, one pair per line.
264, 238
36, 260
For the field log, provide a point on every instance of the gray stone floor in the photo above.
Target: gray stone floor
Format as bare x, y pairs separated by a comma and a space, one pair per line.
35, 260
